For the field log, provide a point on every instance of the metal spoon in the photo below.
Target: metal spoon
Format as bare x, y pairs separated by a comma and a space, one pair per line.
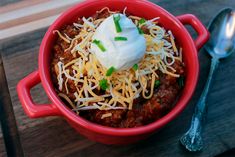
220, 45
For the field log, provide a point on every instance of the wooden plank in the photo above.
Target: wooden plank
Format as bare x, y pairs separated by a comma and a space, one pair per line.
20, 4
2, 146
7, 2
33, 12
31, 17
52, 136
7, 118
28, 27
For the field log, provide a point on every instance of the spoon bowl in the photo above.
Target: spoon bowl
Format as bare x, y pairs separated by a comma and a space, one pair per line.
222, 29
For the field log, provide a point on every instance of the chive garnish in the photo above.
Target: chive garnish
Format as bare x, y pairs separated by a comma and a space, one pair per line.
103, 84
181, 81
120, 38
157, 83
110, 71
99, 44
140, 30
116, 20
135, 67
141, 21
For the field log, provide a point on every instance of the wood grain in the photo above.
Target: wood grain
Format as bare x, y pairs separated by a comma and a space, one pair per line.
23, 17
23, 3
8, 123
34, 12
2, 145
6, 2
52, 136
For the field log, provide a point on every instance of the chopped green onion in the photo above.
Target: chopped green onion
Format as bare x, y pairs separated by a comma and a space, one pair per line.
99, 44
110, 71
140, 30
103, 84
157, 83
181, 81
116, 20
120, 38
135, 67
141, 21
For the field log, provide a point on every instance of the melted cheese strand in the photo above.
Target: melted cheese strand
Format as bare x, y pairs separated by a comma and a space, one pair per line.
61, 36
68, 100
59, 77
106, 115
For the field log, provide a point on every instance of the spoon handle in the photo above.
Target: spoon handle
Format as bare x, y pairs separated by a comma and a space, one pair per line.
201, 104
192, 138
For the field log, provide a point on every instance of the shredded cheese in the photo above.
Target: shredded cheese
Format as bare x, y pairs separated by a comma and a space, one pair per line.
59, 77
106, 115
68, 100
124, 86
106, 8
61, 36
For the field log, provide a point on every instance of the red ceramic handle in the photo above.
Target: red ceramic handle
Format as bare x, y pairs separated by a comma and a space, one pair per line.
31, 109
203, 34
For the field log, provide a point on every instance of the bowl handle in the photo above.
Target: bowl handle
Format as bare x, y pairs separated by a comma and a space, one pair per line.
31, 109
203, 34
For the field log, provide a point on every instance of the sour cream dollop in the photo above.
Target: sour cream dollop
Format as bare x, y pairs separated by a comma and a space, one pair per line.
119, 54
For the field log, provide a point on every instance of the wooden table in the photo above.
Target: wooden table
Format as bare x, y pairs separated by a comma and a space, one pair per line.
52, 136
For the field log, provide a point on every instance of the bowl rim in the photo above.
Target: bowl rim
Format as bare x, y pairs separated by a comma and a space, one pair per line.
72, 117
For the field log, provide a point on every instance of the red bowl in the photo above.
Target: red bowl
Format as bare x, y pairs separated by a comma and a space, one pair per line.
94, 131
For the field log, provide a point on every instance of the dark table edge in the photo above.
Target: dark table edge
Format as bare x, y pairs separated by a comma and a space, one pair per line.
8, 123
